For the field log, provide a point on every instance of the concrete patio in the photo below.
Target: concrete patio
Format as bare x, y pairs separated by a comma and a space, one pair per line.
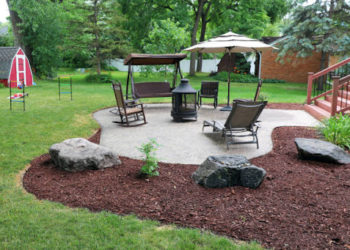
185, 142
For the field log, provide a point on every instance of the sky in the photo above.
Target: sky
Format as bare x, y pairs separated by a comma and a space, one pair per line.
4, 12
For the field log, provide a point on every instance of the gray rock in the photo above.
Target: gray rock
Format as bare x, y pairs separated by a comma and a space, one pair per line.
318, 150
226, 171
78, 154
252, 176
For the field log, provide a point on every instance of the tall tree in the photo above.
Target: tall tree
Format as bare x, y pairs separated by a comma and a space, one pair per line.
251, 18
213, 10
37, 27
323, 26
103, 24
169, 37
140, 15
197, 7
15, 21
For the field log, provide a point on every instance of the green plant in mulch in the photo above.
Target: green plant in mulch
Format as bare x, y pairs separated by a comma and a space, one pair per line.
337, 130
150, 167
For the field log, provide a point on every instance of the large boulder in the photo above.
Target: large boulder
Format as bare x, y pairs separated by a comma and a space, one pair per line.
78, 154
252, 176
226, 171
318, 150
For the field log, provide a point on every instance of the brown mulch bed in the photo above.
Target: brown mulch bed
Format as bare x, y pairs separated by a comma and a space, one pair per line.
301, 204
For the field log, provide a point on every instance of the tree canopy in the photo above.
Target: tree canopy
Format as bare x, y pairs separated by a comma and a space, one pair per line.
79, 33
323, 26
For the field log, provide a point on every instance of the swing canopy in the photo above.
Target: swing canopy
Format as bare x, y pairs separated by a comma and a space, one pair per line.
151, 89
153, 59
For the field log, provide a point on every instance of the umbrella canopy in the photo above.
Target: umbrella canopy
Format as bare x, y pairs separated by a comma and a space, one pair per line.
231, 43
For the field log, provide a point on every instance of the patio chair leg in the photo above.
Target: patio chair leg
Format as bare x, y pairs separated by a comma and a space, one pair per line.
144, 117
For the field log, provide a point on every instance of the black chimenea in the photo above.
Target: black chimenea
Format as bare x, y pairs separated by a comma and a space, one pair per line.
184, 101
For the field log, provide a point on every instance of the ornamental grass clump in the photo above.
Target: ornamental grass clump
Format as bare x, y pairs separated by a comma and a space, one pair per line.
150, 167
337, 130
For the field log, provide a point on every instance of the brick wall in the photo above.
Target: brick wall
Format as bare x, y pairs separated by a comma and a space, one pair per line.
294, 69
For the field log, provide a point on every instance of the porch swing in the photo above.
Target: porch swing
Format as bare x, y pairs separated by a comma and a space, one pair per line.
151, 89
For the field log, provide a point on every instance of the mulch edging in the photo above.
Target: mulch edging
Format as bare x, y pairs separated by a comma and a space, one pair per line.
301, 204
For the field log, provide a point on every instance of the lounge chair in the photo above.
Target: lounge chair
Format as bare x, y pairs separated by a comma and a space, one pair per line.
241, 122
128, 111
209, 90
256, 97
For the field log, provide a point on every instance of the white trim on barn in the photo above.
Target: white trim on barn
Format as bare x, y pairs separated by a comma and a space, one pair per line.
18, 72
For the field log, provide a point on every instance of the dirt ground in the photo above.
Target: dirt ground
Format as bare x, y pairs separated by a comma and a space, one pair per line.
300, 204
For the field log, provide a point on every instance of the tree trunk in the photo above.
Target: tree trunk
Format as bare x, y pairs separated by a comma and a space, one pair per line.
201, 39
204, 17
193, 36
15, 21
18, 36
97, 38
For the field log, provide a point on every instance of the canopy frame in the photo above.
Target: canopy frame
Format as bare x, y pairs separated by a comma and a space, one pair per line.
151, 59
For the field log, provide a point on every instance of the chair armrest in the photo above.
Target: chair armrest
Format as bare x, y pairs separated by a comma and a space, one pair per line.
131, 103
219, 125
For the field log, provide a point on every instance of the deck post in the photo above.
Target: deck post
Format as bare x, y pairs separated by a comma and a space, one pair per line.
309, 87
335, 95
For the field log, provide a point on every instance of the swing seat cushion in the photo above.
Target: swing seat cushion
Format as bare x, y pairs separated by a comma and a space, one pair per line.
152, 89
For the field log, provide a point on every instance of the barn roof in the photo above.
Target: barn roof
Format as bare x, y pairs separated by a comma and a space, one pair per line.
6, 56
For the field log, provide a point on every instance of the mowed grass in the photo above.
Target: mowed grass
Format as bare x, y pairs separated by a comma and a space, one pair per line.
28, 223
272, 92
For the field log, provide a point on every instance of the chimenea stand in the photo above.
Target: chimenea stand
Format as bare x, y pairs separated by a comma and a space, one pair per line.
184, 102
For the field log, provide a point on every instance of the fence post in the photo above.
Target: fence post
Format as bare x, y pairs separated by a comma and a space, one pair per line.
335, 95
309, 87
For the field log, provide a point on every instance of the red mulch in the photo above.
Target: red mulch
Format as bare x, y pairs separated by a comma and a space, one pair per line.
301, 204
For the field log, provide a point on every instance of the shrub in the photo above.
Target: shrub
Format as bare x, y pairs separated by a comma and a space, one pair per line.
151, 161
107, 67
273, 81
102, 78
243, 78
223, 76
337, 130
263, 97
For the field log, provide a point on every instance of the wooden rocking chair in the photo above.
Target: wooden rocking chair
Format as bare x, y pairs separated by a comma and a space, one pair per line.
128, 111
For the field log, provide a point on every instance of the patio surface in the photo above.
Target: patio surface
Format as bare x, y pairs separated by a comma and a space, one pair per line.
185, 142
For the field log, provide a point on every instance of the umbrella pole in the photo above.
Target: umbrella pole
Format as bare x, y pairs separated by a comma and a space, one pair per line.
228, 107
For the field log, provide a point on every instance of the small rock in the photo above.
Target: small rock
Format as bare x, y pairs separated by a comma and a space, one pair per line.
78, 154
318, 150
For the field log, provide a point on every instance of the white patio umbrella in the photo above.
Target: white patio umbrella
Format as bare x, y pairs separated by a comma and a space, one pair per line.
231, 43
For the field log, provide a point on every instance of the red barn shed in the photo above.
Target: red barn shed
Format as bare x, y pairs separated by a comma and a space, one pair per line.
14, 67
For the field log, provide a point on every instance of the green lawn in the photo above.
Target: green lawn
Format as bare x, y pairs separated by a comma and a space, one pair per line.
27, 223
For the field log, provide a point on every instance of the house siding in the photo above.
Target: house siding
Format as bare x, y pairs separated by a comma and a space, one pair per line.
294, 69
